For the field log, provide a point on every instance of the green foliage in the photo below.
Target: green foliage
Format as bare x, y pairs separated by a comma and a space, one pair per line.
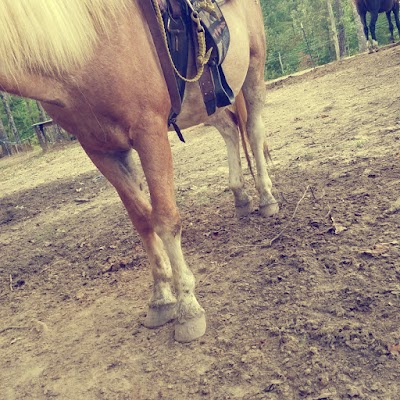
298, 34
25, 113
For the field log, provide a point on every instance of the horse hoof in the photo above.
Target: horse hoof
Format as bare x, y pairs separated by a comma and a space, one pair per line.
191, 329
245, 210
158, 316
269, 210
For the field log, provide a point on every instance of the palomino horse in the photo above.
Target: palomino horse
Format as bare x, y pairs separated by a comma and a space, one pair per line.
93, 66
374, 7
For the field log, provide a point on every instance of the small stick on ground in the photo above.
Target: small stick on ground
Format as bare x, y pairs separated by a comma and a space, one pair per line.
11, 283
12, 328
329, 213
204, 280
312, 190
291, 219
283, 197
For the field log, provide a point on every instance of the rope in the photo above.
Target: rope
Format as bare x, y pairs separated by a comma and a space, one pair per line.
203, 55
208, 6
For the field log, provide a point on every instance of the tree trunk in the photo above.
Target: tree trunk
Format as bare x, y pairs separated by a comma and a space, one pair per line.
362, 41
5, 147
341, 29
334, 32
62, 136
6, 104
41, 138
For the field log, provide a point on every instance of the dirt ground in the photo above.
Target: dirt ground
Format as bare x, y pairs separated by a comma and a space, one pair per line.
302, 306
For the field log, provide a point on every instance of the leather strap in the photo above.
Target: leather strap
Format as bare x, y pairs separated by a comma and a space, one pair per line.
163, 56
206, 82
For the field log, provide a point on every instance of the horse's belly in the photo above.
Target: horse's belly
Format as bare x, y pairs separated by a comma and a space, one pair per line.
386, 6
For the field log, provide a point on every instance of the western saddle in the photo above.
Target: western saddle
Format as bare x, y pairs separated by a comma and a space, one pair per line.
184, 30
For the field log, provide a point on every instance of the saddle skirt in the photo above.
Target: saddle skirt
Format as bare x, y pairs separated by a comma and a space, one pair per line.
214, 23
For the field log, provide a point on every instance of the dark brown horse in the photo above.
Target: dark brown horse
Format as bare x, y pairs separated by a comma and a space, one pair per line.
94, 67
374, 7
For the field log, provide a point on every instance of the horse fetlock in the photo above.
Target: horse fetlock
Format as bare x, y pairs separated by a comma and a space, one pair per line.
158, 315
243, 202
372, 46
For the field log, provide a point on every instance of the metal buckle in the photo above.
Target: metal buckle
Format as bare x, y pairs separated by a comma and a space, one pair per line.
175, 25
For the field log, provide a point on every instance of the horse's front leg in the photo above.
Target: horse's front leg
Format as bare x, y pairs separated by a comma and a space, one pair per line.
363, 18
372, 26
254, 94
155, 154
396, 17
119, 169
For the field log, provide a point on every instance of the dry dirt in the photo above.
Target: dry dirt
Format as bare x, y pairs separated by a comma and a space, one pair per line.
314, 315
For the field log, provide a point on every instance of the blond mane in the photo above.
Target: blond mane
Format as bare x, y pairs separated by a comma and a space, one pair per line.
52, 36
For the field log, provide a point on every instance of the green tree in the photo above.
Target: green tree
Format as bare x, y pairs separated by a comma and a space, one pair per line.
4, 142
301, 33
5, 98
24, 114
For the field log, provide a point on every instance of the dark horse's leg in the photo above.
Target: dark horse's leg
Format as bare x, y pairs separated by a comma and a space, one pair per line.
363, 17
389, 18
395, 10
372, 24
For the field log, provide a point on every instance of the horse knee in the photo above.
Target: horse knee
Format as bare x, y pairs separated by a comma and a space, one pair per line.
167, 225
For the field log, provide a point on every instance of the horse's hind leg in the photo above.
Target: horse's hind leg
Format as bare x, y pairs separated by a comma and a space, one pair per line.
396, 16
254, 94
118, 168
227, 127
389, 18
